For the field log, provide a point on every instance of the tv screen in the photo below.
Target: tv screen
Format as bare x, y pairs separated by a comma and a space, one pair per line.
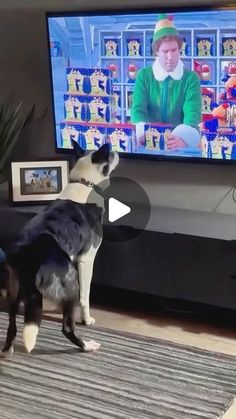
159, 85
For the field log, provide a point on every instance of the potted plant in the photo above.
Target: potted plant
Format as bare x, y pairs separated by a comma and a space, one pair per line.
12, 122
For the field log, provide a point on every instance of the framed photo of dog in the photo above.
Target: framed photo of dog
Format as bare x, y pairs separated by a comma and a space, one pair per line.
37, 182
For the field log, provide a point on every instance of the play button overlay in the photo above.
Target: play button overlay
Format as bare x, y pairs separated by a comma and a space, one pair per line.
116, 210
127, 209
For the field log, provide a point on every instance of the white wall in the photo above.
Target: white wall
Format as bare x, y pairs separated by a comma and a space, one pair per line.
187, 198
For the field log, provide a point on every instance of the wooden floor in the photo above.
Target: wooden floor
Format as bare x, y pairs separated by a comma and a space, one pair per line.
177, 328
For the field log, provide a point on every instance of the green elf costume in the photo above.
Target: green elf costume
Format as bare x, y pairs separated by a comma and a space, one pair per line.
168, 97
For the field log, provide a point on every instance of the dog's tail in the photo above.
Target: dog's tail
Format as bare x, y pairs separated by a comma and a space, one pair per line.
43, 270
33, 311
33, 317
30, 333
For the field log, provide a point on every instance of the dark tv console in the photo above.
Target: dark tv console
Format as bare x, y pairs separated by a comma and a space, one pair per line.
179, 266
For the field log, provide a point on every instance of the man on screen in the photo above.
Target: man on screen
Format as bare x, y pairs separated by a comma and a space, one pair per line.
167, 92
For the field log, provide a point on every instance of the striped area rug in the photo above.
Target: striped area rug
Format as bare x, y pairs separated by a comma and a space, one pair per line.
129, 377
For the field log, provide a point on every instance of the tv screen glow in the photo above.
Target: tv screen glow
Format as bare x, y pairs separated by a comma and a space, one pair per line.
149, 84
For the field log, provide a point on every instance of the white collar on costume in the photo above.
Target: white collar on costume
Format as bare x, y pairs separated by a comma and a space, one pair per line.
161, 74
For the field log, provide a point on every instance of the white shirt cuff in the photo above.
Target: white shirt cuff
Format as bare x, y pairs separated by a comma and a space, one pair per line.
189, 135
140, 130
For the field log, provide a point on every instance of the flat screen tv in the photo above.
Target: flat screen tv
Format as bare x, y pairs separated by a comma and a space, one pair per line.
153, 84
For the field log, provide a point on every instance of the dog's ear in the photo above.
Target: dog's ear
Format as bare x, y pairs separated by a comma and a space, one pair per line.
101, 155
78, 151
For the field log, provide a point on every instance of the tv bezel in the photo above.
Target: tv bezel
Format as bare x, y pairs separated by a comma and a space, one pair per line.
133, 10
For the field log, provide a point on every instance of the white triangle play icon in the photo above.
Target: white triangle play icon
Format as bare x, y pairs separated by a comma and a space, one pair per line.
116, 210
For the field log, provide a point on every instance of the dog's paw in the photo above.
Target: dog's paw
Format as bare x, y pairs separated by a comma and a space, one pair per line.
5, 353
91, 346
88, 321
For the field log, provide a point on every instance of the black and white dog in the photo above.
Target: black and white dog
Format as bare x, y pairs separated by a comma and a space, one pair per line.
54, 254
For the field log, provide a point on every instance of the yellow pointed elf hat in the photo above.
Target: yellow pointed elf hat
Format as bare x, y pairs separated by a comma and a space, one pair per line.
164, 27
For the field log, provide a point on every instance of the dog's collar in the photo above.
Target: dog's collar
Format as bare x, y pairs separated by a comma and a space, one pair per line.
89, 184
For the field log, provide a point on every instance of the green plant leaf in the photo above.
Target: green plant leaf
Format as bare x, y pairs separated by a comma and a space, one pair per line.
12, 121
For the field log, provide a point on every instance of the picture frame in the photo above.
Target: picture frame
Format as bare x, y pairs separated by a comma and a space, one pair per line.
37, 182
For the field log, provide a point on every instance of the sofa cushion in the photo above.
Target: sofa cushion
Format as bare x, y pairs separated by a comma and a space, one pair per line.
11, 222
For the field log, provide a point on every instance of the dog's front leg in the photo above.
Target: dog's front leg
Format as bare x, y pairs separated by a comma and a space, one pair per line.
85, 271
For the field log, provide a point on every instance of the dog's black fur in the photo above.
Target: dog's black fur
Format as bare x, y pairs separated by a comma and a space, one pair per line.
43, 260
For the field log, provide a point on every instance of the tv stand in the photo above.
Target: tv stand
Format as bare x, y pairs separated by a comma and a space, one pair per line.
180, 266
